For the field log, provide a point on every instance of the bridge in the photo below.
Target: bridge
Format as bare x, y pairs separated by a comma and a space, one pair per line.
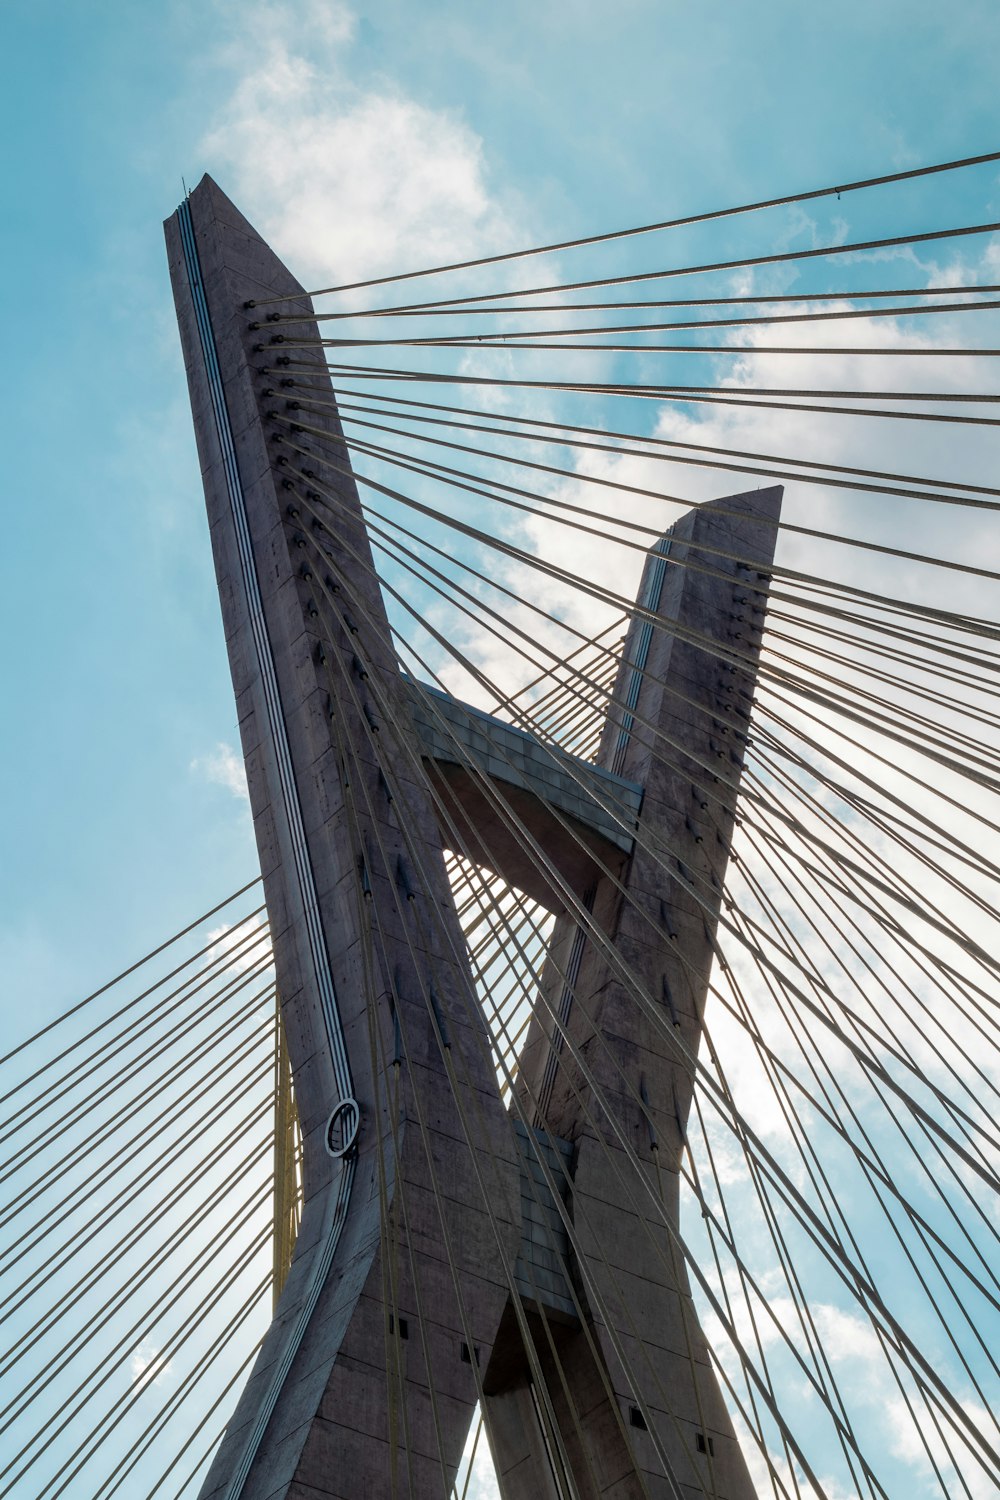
596, 1093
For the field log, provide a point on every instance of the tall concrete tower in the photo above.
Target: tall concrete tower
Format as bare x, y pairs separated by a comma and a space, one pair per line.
457, 1247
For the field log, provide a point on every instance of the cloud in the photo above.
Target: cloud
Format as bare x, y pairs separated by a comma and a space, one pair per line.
223, 767
347, 183
148, 1366
481, 1482
244, 946
915, 1434
775, 1469
940, 1443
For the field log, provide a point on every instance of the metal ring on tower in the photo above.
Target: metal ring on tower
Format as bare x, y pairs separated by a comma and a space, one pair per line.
342, 1128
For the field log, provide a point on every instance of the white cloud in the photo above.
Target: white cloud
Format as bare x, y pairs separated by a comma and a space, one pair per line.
776, 1470
243, 946
481, 1483
223, 767
148, 1365
948, 1449
845, 1335
347, 183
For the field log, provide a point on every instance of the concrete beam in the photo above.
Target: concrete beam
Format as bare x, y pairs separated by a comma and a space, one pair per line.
499, 782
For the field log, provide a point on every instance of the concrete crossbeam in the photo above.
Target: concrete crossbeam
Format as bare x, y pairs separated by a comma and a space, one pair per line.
497, 781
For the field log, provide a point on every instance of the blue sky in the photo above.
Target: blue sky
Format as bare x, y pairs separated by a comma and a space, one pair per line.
362, 139
534, 120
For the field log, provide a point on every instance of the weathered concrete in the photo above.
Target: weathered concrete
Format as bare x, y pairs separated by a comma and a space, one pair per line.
582, 815
676, 725
433, 1182
541, 1268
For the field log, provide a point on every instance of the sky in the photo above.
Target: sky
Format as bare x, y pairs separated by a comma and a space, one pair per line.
361, 139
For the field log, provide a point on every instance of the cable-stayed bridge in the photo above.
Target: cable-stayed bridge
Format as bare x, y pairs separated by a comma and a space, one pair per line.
626, 1125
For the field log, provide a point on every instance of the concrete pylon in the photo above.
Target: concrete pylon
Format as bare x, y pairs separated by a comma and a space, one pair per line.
418, 1279
619, 1087
340, 1402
